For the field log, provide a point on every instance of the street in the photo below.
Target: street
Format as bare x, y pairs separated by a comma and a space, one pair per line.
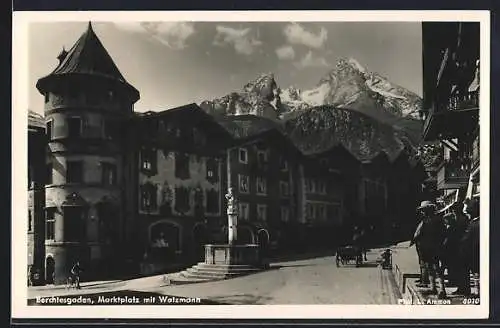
308, 281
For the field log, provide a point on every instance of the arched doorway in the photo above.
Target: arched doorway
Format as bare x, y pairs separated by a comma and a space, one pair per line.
200, 239
245, 235
50, 267
165, 239
263, 240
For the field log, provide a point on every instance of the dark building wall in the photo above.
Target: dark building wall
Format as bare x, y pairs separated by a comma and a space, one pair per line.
37, 147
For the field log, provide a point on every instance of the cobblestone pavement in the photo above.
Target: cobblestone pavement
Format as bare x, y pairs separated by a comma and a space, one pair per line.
308, 281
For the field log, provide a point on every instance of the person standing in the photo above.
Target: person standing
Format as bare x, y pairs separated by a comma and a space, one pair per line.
430, 237
469, 247
424, 277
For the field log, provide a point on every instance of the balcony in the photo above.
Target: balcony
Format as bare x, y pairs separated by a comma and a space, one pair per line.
452, 175
457, 117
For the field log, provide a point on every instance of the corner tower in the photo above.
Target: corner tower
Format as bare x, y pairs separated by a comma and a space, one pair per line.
87, 106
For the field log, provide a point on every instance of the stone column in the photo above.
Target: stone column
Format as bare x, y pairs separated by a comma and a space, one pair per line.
232, 207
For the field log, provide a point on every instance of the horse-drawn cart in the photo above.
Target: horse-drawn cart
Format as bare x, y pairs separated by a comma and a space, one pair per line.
346, 254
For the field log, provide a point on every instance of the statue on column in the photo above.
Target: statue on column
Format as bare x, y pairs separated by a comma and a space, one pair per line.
232, 216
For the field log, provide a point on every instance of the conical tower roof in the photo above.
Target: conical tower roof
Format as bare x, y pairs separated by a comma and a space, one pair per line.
87, 57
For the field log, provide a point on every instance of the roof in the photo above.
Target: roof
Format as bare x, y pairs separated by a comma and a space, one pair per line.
245, 126
35, 120
88, 56
186, 112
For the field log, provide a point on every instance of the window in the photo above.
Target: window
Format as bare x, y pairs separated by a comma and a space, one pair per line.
321, 212
182, 200
50, 222
310, 212
307, 185
148, 160
285, 214
284, 190
178, 133
49, 129
108, 174
182, 166
47, 97
243, 211
334, 213
30, 177
243, 155
212, 201
322, 187
313, 186
262, 157
74, 224
29, 220
283, 164
243, 183
261, 186
74, 172
212, 170
74, 127
49, 174
148, 197
110, 129
261, 212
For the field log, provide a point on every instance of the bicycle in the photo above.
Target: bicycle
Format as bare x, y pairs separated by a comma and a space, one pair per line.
72, 282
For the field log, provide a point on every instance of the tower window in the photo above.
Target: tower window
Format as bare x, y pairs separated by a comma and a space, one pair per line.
29, 220
49, 173
50, 222
74, 127
49, 129
74, 172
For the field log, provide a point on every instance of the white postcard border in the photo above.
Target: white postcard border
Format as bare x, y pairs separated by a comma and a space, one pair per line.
20, 309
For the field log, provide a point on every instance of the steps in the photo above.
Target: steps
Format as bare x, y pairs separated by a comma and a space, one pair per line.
203, 272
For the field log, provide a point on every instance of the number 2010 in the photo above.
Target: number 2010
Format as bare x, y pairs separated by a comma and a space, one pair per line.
470, 301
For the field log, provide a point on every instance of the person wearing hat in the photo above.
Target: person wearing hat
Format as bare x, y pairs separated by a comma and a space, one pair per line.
456, 265
469, 246
429, 236
424, 277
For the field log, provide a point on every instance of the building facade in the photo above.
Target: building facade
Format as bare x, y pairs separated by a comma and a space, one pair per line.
451, 96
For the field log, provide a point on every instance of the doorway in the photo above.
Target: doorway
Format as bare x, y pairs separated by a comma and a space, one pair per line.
50, 266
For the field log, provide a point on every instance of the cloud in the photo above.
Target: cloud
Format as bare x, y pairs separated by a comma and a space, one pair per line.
296, 34
170, 34
240, 39
310, 60
285, 53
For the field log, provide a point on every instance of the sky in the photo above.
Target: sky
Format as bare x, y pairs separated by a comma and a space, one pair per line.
176, 63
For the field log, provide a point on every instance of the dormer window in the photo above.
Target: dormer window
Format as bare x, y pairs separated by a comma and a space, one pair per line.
47, 97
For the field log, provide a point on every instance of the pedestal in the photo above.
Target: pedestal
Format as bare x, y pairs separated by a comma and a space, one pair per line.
232, 220
233, 255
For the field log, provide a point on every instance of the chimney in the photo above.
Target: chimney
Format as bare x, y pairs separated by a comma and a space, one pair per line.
62, 55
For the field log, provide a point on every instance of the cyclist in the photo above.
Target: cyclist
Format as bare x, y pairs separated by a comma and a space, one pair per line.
75, 274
